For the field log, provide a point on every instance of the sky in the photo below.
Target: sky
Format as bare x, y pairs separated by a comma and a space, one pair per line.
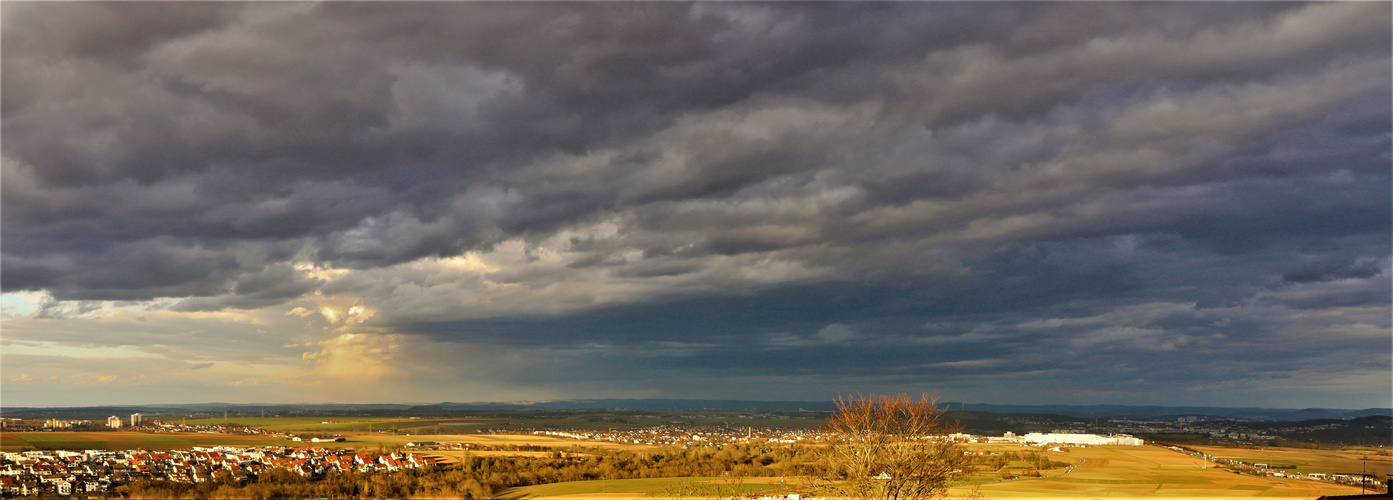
1015, 203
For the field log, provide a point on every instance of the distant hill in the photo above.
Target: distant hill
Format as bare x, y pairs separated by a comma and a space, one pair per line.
1174, 412
1095, 411
645, 404
1085, 412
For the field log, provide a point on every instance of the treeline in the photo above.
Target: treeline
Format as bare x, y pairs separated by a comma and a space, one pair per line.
479, 477
1034, 461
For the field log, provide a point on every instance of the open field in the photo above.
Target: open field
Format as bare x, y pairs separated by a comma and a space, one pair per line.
455, 457
1148, 471
1307, 461
17, 441
341, 424
655, 488
389, 440
433, 425
1105, 472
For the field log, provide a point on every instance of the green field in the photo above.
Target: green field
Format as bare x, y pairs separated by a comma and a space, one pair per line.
341, 424
18, 441
1299, 460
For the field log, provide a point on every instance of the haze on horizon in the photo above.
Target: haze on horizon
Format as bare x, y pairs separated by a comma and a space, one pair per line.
1013, 203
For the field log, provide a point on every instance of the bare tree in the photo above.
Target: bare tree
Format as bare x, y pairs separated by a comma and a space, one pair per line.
892, 448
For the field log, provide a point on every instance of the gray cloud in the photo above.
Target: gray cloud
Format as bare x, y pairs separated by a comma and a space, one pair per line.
1332, 269
980, 168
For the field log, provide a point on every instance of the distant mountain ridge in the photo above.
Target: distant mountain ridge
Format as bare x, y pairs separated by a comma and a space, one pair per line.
1093, 411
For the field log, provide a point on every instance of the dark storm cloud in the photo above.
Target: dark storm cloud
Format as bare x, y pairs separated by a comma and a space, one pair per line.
889, 191
1150, 338
1332, 269
273, 285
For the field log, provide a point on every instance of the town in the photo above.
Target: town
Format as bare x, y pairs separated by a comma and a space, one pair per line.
90, 472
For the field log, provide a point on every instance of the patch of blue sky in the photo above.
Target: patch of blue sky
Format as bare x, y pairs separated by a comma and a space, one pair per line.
42, 348
19, 304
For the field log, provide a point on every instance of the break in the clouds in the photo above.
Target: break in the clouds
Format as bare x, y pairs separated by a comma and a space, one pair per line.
1008, 202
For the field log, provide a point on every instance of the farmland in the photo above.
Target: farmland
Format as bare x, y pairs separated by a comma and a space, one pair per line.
344, 424
672, 487
1103, 471
1130, 471
448, 425
1308, 461
390, 440
17, 441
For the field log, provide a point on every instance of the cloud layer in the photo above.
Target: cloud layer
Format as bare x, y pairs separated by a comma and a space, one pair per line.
1150, 203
